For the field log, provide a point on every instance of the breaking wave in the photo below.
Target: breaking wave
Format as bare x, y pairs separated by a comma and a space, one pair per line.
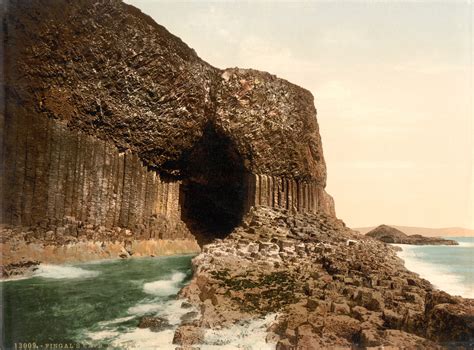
63, 272
165, 287
249, 335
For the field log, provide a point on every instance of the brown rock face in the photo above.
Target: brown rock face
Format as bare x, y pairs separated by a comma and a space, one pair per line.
112, 121
449, 318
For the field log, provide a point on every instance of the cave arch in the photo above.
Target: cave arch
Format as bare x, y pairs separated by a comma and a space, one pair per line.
213, 188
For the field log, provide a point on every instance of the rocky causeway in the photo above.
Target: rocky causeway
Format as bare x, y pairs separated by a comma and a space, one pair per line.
331, 287
118, 141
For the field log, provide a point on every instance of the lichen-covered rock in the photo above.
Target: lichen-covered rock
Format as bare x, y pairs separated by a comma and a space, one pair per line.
330, 287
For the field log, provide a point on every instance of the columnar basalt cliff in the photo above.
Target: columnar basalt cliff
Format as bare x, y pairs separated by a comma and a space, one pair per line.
113, 124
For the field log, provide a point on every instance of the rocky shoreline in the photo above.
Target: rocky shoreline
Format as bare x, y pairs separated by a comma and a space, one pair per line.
24, 249
330, 287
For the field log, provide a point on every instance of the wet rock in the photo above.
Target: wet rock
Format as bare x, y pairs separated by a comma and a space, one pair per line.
189, 316
186, 305
23, 267
448, 319
188, 334
156, 324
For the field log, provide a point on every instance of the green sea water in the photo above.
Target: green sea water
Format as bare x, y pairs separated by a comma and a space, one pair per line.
94, 304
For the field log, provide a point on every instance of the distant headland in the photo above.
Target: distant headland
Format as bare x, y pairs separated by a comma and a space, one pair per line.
425, 231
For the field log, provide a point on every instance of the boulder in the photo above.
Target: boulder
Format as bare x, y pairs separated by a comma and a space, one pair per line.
188, 334
156, 324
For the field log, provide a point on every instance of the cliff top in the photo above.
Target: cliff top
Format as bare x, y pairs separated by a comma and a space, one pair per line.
109, 70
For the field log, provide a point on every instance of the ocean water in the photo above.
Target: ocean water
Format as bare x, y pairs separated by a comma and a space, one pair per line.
99, 305
448, 268
91, 303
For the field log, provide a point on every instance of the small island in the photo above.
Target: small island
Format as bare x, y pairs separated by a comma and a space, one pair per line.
390, 234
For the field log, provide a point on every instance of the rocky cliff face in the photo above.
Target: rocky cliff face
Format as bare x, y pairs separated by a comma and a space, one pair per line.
113, 124
119, 140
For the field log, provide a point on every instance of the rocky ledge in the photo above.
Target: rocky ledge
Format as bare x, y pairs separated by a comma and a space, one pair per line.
24, 248
390, 234
328, 286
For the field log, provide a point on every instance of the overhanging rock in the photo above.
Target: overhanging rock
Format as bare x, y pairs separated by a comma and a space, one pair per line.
116, 128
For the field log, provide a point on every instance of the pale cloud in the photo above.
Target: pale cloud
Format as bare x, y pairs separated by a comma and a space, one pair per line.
373, 165
334, 90
338, 37
257, 53
430, 68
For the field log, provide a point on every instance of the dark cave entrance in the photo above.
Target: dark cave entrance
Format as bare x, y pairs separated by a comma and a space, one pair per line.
213, 189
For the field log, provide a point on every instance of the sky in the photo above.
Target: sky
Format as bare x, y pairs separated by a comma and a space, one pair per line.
392, 82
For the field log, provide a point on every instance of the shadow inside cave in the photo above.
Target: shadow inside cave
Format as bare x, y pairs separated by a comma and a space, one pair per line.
213, 189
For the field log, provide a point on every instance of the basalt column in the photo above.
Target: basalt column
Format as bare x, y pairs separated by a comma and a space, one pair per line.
286, 193
129, 132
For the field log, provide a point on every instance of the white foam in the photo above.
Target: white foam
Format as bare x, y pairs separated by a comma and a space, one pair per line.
248, 336
142, 309
465, 244
161, 288
138, 338
102, 335
165, 287
62, 271
178, 277
143, 338
115, 321
171, 310
440, 277
15, 278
